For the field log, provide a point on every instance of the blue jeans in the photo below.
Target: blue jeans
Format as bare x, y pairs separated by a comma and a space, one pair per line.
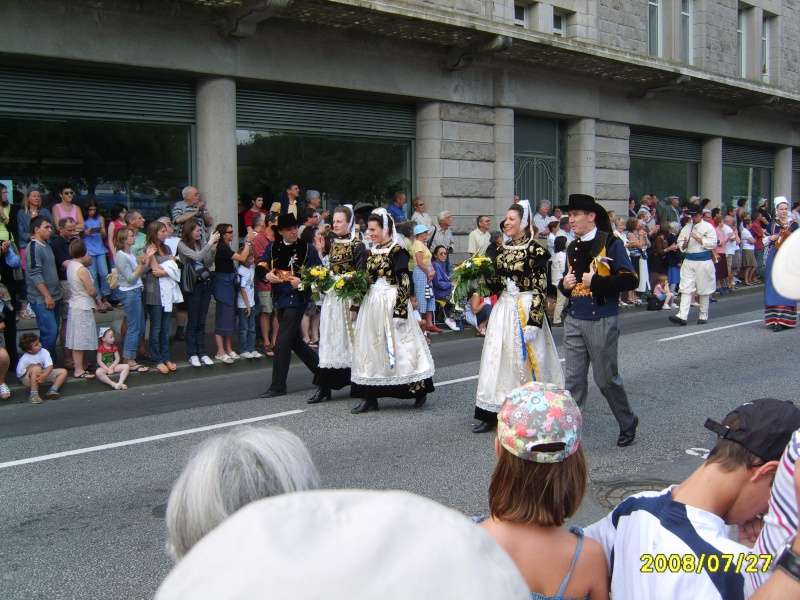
197, 304
159, 333
99, 269
247, 330
48, 322
134, 313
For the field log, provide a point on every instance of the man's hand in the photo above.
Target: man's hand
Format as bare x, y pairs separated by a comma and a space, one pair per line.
40, 378
272, 278
49, 303
569, 282
200, 207
247, 311
749, 530
295, 281
587, 277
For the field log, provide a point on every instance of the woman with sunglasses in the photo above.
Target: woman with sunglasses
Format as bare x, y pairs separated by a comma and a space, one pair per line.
225, 289
66, 208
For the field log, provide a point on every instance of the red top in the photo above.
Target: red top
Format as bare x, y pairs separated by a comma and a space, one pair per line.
248, 216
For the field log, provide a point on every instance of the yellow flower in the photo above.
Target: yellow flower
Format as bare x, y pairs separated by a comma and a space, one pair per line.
340, 284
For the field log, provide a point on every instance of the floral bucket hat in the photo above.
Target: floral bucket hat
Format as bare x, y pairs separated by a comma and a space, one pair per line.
536, 415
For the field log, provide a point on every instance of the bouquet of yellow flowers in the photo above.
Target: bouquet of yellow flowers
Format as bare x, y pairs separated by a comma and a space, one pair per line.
316, 279
353, 284
473, 272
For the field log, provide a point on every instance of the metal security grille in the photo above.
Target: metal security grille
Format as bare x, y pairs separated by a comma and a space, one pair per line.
273, 111
748, 156
667, 147
795, 159
57, 95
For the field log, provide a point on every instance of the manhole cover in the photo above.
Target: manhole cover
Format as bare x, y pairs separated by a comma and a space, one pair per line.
609, 494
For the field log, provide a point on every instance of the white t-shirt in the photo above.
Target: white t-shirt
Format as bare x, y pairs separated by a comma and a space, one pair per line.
247, 274
651, 524
730, 246
747, 239
26, 359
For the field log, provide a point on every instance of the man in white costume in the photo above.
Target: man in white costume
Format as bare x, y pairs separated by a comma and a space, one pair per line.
697, 241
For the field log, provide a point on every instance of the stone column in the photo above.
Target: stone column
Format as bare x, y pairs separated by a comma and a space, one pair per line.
782, 186
216, 147
580, 156
711, 170
612, 164
503, 164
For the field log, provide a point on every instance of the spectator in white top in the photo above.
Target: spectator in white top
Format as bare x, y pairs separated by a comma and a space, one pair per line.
731, 247
552, 232
443, 236
419, 215
541, 218
480, 237
691, 520
565, 230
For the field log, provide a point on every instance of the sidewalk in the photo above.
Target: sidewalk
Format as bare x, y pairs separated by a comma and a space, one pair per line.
185, 371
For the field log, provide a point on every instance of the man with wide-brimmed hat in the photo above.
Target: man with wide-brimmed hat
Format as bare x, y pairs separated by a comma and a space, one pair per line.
280, 266
697, 241
598, 269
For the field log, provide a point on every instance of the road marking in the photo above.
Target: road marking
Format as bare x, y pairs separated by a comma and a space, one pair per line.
685, 335
701, 452
152, 438
461, 379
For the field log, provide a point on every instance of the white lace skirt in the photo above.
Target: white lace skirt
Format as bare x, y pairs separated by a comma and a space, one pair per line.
382, 353
335, 333
502, 366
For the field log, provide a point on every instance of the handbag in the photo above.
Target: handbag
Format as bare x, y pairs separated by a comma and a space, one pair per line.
653, 303
188, 276
112, 279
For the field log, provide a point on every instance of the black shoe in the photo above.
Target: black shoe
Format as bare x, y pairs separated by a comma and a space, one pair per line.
320, 395
677, 319
712, 299
702, 321
180, 337
482, 427
366, 405
420, 402
777, 327
560, 324
626, 437
272, 394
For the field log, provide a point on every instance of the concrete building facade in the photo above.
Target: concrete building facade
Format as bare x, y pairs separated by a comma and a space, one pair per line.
463, 102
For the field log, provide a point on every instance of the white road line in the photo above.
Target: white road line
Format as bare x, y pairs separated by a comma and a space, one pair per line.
152, 438
685, 335
452, 381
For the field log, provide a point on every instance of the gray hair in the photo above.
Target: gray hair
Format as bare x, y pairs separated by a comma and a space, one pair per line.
311, 194
443, 215
185, 191
165, 220
63, 222
257, 219
544, 203
131, 215
230, 470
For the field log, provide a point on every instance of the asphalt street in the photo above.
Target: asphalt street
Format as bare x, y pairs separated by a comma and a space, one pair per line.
84, 481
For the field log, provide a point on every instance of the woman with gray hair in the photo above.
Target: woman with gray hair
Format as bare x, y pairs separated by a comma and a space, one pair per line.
230, 470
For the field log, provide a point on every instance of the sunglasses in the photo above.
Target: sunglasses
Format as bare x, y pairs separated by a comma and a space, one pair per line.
227, 232
68, 193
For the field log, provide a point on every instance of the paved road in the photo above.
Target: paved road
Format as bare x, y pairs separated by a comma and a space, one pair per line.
90, 525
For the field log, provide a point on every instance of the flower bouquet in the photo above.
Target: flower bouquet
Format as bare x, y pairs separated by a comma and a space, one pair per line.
353, 285
473, 272
316, 279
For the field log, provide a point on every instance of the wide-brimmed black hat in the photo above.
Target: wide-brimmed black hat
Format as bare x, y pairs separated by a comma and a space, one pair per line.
694, 209
587, 203
285, 221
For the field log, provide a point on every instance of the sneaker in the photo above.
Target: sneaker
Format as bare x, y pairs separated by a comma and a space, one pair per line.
234, 356
224, 358
194, 361
255, 354
695, 304
434, 329
206, 360
35, 399
245, 355
52, 395
451, 324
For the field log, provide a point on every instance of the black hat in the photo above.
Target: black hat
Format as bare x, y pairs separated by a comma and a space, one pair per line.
587, 203
765, 427
285, 221
694, 209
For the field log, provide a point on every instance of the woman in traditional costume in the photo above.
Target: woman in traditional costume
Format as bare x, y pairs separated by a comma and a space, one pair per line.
390, 356
347, 254
519, 346
779, 312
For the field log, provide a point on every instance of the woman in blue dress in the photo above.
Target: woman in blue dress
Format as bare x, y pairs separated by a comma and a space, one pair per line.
779, 312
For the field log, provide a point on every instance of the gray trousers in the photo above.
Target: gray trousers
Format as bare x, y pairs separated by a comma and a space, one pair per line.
596, 342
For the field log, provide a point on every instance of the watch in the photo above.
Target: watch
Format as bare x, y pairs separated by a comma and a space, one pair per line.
788, 560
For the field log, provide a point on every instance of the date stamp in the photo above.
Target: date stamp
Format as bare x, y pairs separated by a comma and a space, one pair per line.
711, 563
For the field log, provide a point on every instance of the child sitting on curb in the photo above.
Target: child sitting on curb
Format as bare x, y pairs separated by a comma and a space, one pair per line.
35, 367
108, 361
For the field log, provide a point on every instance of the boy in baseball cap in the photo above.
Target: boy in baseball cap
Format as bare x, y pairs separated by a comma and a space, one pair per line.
675, 543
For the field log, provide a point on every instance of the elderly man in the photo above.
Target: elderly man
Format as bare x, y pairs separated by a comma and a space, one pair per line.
190, 208
287, 201
396, 210
479, 237
443, 236
419, 215
541, 219
314, 200
669, 212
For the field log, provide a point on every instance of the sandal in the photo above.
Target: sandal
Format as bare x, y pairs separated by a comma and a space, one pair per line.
120, 386
137, 368
162, 368
172, 366
84, 375
25, 314
99, 307
314, 345
269, 351
69, 365
5, 392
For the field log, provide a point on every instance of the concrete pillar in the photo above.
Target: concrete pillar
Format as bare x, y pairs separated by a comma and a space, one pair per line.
430, 166
711, 170
216, 147
580, 157
504, 162
782, 186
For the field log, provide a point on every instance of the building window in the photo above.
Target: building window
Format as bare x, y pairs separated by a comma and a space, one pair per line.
654, 27
519, 15
765, 27
559, 23
687, 43
741, 41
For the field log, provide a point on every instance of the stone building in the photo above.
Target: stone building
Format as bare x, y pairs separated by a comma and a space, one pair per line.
463, 102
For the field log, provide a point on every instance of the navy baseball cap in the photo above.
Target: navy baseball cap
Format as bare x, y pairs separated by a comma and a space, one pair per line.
765, 427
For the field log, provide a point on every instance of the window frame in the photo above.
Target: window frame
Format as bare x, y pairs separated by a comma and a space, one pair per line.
654, 47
